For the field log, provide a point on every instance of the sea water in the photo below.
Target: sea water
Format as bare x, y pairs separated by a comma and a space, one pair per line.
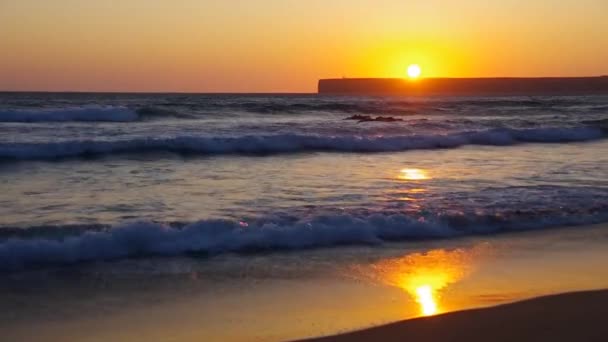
278, 186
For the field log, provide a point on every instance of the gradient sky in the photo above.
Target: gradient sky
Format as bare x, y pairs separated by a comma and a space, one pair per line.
286, 45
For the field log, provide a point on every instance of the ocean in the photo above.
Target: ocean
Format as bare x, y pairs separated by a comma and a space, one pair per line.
143, 193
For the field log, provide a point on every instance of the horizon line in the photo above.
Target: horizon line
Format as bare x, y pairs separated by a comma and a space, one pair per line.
283, 92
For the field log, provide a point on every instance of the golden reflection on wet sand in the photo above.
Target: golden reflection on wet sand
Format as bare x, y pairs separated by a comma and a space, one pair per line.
424, 276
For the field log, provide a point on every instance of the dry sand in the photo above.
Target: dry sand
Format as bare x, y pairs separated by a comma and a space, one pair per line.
579, 316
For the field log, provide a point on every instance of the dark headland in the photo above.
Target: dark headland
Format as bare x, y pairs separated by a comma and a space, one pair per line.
550, 86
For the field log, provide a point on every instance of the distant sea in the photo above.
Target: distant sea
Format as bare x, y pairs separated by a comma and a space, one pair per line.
98, 177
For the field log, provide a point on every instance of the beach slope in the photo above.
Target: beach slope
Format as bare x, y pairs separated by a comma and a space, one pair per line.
579, 316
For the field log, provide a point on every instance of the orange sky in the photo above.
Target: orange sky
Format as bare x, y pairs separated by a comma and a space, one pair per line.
286, 45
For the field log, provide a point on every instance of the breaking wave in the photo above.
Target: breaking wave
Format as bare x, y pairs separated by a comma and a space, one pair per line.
294, 143
212, 237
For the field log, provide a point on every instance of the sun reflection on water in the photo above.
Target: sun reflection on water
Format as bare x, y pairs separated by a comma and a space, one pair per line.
425, 276
413, 174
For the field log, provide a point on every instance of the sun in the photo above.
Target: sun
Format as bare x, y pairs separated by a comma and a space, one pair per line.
414, 71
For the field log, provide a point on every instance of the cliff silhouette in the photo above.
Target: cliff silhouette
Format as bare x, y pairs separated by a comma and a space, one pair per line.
511, 86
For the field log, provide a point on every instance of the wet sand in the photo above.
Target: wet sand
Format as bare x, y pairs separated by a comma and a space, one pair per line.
578, 316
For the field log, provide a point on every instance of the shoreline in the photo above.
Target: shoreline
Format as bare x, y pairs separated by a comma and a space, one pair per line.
119, 302
573, 316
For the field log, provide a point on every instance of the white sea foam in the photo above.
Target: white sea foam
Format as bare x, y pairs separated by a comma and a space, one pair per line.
212, 237
294, 143
85, 113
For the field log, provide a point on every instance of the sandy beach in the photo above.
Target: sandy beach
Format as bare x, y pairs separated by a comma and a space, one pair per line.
578, 316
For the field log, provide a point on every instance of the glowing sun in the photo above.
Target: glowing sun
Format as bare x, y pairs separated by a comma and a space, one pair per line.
414, 71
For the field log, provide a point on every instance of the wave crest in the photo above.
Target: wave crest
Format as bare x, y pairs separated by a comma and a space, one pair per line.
211, 237
294, 143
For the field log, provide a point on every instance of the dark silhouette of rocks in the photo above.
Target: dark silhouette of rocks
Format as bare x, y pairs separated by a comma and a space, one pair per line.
368, 118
